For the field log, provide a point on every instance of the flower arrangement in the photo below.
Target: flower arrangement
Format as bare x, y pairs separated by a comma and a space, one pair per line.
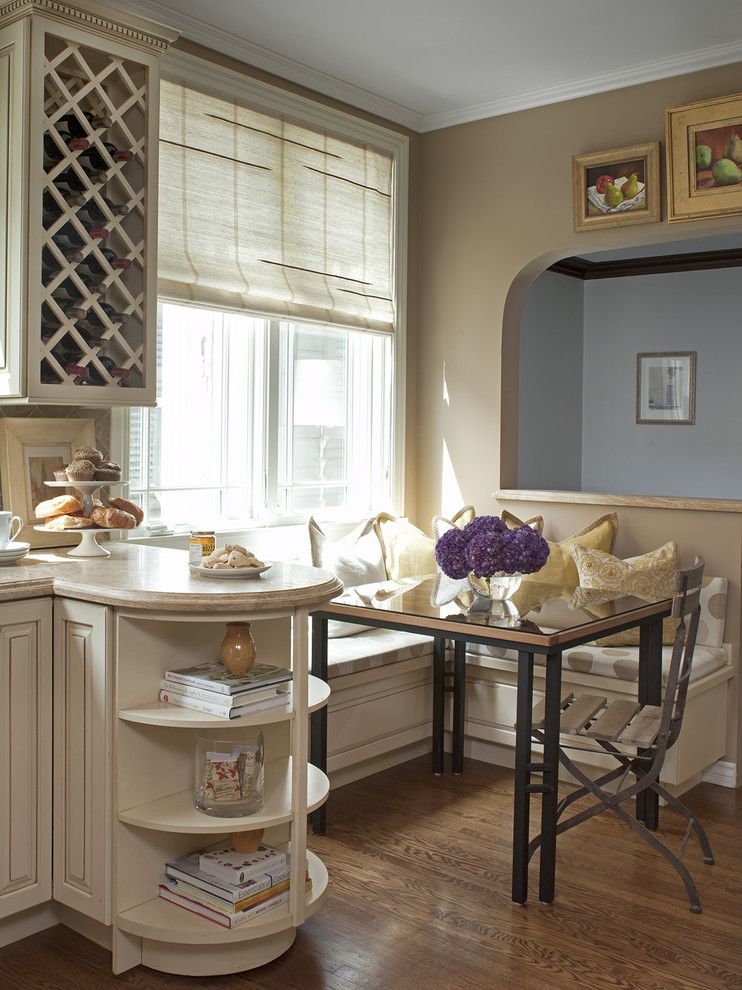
486, 547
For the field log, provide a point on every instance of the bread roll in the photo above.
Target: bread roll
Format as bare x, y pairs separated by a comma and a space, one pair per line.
62, 505
110, 518
91, 454
59, 523
126, 506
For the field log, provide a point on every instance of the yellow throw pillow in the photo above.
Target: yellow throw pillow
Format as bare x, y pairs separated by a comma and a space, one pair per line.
408, 552
559, 568
650, 577
513, 522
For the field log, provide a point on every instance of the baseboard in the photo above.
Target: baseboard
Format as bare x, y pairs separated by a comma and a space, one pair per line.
94, 931
28, 922
356, 771
723, 773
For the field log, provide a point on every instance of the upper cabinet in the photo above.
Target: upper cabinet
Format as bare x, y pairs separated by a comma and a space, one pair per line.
79, 121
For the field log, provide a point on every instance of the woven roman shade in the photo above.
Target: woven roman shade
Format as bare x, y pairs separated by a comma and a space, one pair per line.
259, 214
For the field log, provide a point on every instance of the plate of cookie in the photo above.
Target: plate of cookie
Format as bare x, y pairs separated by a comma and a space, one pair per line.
231, 561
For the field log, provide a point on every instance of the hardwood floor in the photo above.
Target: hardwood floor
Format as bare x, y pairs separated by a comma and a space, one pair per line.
420, 897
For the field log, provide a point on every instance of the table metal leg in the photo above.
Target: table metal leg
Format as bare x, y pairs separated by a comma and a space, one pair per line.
318, 726
650, 693
521, 807
459, 706
550, 798
439, 686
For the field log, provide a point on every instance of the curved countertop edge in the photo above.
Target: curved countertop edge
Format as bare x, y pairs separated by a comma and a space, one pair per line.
136, 578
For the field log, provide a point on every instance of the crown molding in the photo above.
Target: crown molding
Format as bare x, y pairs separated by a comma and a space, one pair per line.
690, 261
95, 16
633, 75
247, 51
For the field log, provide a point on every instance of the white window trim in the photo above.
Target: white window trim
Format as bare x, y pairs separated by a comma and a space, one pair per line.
189, 70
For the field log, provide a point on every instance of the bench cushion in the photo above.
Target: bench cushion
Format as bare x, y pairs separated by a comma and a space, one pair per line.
374, 648
619, 662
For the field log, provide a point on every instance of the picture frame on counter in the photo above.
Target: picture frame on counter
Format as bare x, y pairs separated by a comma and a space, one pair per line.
704, 159
617, 188
666, 387
31, 449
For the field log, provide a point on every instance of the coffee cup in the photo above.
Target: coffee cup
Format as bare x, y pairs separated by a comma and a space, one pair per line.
7, 522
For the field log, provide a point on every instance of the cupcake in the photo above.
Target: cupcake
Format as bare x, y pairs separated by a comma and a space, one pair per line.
108, 471
61, 474
81, 470
91, 454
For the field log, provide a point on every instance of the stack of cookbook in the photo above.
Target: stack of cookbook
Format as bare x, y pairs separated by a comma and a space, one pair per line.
209, 687
227, 886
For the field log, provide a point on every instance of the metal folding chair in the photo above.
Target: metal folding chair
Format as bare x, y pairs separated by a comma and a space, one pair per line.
649, 729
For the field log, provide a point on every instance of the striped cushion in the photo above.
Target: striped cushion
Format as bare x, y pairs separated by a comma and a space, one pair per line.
374, 648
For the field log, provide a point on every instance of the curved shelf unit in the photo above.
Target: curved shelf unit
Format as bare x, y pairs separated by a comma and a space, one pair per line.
176, 812
160, 920
160, 713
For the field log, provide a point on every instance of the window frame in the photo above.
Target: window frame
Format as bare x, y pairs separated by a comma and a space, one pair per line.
182, 67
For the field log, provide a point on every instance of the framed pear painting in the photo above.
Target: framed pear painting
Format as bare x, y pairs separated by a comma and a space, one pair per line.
616, 188
704, 159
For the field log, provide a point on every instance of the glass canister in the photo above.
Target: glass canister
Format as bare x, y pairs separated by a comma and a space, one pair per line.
230, 775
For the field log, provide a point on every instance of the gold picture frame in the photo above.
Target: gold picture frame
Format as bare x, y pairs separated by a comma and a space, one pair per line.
666, 387
30, 449
597, 204
704, 159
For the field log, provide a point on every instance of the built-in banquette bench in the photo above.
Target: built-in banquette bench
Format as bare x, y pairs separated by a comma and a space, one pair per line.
381, 702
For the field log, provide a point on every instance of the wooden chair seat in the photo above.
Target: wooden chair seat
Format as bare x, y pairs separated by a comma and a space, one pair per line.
595, 717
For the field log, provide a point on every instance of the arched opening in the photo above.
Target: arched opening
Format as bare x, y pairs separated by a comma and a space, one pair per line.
583, 412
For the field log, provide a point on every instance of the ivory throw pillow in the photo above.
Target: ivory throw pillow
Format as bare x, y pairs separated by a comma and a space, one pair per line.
560, 568
650, 576
356, 559
408, 552
513, 522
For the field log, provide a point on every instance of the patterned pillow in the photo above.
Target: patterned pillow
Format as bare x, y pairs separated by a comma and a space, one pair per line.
513, 522
560, 568
650, 576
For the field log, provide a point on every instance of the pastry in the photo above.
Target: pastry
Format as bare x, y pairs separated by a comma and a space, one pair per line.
61, 474
68, 522
232, 556
126, 506
108, 471
91, 454
62, 505
81, 471
110, 518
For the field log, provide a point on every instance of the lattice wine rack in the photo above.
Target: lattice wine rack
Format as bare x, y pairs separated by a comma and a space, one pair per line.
93, 254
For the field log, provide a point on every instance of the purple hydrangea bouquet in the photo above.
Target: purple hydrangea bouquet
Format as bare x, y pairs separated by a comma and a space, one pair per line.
491, 555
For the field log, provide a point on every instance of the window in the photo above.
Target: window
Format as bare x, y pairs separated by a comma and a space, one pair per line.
281, 279
262, 420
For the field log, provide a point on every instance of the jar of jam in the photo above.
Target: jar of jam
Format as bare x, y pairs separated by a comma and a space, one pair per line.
200, 546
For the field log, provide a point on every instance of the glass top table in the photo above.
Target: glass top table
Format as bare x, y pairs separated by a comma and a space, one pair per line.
540, 619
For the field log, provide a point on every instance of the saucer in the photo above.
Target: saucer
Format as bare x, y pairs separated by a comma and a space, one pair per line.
12, 552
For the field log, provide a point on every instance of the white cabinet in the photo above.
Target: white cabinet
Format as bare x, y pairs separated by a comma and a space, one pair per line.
79, 86
25, 754
82, 755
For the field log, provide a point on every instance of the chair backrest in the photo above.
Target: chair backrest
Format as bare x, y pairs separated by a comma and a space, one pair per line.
686, 607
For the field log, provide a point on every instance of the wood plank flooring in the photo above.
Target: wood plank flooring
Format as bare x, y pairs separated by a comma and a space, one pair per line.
419, 897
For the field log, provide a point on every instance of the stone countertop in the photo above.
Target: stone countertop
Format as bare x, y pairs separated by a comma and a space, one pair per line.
158, 579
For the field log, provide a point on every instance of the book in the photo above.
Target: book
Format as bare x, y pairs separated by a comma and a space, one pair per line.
211, 708
226, 863
212, 674
226, 921
227, 700
186, 868
217, 903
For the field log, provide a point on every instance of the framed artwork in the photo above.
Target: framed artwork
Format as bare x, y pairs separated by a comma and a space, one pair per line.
616, 188
704, 159
666, 387
30, 450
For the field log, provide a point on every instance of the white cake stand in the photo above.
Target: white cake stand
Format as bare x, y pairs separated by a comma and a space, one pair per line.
86, 490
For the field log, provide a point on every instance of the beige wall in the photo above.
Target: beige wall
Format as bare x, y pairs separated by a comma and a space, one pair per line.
495, 209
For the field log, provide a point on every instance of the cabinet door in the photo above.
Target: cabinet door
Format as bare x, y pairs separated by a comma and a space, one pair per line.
82, 749
25, 754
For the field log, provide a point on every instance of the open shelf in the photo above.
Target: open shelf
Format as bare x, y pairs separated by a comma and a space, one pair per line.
161, 920
176, 812
160, 713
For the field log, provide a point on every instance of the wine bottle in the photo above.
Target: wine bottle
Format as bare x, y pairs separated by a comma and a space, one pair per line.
49, 265
114, 261
92, 213
91, 274
114, 315
72, 186
69, 243
53, 154
118, 154
70, 125
47, 374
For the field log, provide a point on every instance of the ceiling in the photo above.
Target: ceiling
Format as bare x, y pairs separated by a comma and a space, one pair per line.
432, 63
